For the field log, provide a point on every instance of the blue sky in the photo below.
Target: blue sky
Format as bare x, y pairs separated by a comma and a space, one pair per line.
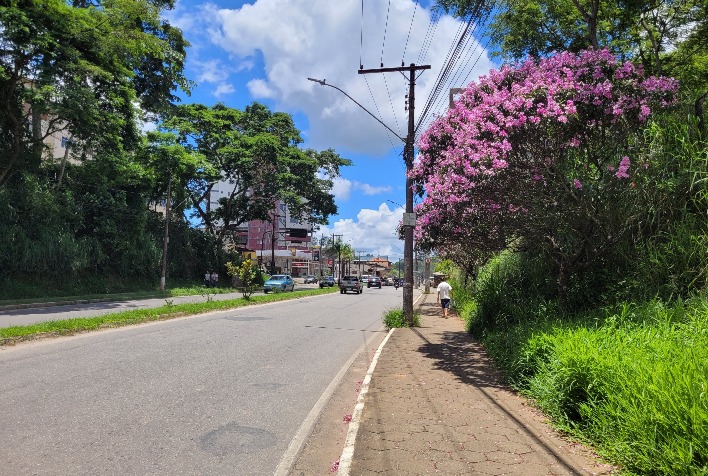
264, 50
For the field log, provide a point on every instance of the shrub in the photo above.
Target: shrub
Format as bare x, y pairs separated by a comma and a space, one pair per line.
395, 318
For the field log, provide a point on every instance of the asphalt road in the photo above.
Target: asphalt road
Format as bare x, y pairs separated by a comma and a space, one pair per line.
37, 313
214, 394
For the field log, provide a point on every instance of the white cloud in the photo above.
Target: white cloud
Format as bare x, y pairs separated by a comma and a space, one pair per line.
224, 89
371, 190
297, 39
373, 231
342, 188
211, 71
259, 89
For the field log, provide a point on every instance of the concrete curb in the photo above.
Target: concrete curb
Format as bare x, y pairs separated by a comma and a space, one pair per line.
345, 460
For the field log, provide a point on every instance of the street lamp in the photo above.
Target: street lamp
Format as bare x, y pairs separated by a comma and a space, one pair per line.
408, 216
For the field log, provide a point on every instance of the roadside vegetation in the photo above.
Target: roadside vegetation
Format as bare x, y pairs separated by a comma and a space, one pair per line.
92, 220
395, 318
566, 193
630, 378
12, 335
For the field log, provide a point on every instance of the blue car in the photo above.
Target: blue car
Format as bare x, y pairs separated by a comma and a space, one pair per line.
279, 282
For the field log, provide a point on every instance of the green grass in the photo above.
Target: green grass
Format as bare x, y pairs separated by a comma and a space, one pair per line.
632, 381
395, 318
11, 335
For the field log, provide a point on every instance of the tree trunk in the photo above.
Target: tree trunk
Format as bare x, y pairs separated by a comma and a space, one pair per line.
698, 108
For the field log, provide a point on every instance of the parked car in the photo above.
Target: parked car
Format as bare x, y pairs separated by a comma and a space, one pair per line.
327, 281
310, 279
279, 282
374, 282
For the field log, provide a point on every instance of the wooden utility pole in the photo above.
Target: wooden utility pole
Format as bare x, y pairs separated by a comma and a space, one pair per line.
166, 238
408, 156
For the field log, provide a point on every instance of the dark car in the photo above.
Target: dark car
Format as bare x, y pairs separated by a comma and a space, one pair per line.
374, 282
310, 279
327, 281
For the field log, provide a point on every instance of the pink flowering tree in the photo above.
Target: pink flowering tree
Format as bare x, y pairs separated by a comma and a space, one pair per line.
549, 154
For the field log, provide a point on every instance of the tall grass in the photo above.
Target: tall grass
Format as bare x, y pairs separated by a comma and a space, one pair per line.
631, 380
636, 385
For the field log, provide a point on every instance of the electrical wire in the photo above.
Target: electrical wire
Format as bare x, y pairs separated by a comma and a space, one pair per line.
361, 36
450, 74
405, 48
388, 133
429, 35
385, 30
398, 128
444, 71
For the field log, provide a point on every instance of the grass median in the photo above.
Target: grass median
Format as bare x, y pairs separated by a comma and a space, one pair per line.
63, 327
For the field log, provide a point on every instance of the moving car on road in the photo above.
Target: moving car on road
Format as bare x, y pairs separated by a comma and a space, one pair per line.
279, 282
374, 282
350, 283
327, 281
310, 279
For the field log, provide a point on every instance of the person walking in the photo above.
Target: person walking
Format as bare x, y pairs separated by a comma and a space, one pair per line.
444, 296
207, 279
214, 279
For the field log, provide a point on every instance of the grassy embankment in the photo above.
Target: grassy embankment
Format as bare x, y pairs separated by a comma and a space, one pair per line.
11, 335
631, 380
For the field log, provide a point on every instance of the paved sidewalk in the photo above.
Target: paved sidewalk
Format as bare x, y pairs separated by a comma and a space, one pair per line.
435, 406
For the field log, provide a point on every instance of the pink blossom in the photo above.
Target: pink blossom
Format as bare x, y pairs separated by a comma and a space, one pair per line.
623, 168
514, 128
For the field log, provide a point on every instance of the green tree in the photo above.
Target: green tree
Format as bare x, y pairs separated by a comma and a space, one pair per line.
244, 274
79, 69
668, 37
256, 151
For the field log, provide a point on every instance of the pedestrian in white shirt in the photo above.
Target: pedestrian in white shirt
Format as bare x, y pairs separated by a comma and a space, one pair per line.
444, 296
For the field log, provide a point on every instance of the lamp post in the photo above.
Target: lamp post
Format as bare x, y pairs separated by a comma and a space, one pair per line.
409, 216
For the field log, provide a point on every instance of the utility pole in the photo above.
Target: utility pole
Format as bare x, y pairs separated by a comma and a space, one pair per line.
166, 238
408, 156
339, 254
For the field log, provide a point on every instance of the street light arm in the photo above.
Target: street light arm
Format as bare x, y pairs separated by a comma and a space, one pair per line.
323, 83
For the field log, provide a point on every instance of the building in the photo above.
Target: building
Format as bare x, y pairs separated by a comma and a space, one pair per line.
371, 265
283, 243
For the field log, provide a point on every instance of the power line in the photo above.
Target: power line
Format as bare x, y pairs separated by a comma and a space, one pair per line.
388, 134
444, 71
385, 30
429, 35
403, 57
361, 35
393, 109
449, 74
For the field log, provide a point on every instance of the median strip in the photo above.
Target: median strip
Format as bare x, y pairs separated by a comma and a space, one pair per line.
64, 327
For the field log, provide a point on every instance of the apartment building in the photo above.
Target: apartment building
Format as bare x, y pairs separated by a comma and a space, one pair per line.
285, 239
